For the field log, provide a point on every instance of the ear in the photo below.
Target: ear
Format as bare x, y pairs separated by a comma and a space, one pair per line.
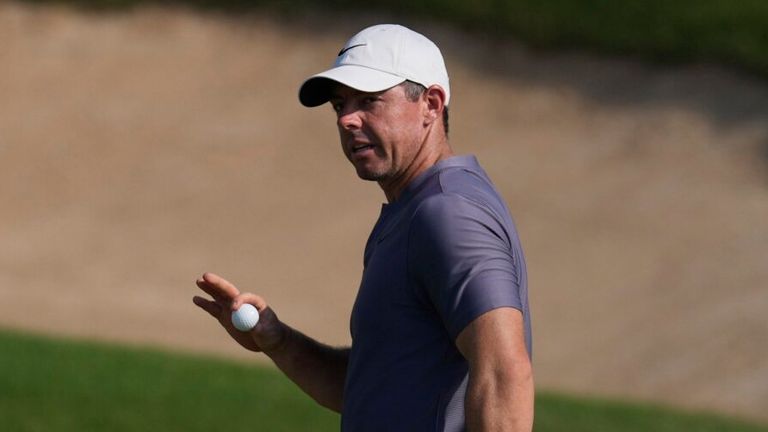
434, 98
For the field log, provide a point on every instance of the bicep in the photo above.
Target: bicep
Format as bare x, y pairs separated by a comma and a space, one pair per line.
495, 339
500, 394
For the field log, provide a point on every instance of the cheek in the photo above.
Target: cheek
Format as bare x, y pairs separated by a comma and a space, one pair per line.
408, 137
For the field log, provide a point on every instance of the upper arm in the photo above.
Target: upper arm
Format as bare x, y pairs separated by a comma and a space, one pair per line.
495, 341
500, 393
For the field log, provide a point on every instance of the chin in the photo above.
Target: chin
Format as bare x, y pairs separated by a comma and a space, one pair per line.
372, 169
368, 176
371, 175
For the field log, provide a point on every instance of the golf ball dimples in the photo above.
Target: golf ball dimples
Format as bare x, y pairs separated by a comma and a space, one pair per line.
245, 318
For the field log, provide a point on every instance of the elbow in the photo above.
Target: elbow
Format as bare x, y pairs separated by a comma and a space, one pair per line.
331, 398
333, 404
521, 397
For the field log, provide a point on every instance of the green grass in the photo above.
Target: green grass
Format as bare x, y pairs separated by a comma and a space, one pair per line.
730, 32
65, 385
556, 412
55, 385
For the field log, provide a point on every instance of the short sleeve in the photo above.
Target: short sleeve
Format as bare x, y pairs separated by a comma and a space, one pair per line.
460, 254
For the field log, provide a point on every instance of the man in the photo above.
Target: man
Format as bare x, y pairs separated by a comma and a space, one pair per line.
441, 336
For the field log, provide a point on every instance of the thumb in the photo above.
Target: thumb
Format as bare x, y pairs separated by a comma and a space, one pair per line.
249, 298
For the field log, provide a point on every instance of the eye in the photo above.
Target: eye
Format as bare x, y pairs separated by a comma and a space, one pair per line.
336, 107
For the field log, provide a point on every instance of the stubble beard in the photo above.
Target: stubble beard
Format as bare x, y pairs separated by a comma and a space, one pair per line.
377, 175
378, 170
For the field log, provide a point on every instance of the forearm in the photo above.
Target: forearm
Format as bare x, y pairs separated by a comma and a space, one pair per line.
318, 369
500, 401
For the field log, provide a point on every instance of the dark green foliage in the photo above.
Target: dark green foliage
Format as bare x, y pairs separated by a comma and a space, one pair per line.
721, 31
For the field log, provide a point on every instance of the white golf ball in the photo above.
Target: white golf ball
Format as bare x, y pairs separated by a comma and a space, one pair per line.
245, 318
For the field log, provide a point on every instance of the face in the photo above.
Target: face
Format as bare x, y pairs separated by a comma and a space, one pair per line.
381, 133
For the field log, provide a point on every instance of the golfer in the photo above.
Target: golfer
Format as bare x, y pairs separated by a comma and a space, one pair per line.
440, 328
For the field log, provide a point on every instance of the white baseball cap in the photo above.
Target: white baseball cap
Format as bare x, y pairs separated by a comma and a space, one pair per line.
377, 58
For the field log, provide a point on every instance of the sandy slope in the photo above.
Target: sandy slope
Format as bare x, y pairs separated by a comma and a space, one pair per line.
140, 149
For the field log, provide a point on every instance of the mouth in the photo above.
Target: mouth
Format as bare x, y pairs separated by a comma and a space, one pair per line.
361, 148
358, 148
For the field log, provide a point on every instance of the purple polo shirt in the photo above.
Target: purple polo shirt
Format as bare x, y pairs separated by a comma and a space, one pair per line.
440, 256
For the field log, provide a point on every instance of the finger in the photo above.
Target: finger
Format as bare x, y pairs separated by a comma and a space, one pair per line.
250, 299
213, 292
213, 308
223, 287
223, 296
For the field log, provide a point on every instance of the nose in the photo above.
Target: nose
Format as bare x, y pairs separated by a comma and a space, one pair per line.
349, 119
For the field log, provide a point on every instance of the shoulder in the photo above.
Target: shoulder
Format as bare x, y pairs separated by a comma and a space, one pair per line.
453, 224
463, 198
468, 182
442, 211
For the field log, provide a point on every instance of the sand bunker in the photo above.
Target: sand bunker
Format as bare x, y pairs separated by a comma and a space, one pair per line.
139, 149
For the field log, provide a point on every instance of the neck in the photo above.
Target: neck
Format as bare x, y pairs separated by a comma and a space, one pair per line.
429, 153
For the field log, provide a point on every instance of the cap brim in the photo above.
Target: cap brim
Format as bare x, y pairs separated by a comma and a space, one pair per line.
316, 90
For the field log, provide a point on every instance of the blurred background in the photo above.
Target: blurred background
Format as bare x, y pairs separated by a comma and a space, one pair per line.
144, 143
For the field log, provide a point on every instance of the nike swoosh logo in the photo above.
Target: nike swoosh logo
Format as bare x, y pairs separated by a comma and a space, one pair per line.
349, 48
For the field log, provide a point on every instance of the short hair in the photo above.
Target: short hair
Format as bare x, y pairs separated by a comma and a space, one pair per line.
413, 92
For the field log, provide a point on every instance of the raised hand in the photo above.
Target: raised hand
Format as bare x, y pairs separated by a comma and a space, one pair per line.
268, 334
